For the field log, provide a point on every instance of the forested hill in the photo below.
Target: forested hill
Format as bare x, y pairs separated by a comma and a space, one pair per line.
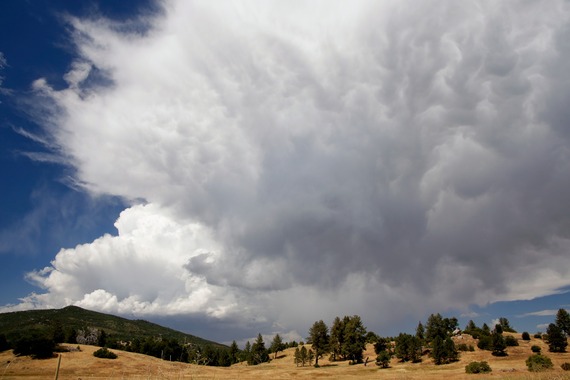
72, 318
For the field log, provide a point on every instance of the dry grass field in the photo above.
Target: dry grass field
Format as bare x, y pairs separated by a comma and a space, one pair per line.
83, 365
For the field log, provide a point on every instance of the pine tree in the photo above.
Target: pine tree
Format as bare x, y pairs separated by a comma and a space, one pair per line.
451, 353
276, 345
336, 338
259, 353
297, 356
437, 350
234, 352
319, 338
303, 355
420, 331
354, 339
556, 338
498, 344
563, 321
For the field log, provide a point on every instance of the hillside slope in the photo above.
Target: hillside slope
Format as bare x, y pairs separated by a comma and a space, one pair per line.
82, 364
22, 323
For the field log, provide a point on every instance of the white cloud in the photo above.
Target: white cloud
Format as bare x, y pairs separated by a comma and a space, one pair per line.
540, 313
388, 159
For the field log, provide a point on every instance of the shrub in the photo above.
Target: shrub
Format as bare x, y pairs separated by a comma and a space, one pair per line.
104, 353
462, 347
538, 336
536, 349
511, 341
537, 363
478, 367
525, 336
485, 343
565, 366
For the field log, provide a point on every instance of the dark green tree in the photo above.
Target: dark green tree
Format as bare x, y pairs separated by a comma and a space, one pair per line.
234, 352
58, 335
408, 348
277, 345
320, 340
525, 336
498, 344
354, 339
102, 338
259, 353
451, 353
383, 359
246, 353
420, 331
437, 351
504, 322
337, 338
563, 321
556, 338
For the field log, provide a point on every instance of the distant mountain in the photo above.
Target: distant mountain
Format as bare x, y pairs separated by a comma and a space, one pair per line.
25, 323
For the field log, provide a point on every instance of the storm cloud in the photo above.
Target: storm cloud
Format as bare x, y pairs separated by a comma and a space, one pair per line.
396, 156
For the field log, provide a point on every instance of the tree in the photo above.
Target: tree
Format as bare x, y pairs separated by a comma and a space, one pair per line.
556, 338
336, 338
234, 352
102, 338
450, 352
246, 353
437, 351
319, 338
297, 356
506, 326
408, 348
420, 331
259, 353
498, 344
380, 345
383, 359
354, 339
276, 345
303, 356
58, 335
563, 321
525, 336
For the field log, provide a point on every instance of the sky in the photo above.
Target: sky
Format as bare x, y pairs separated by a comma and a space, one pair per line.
244, 167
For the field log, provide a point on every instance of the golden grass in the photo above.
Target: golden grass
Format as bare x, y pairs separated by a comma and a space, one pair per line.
83, 365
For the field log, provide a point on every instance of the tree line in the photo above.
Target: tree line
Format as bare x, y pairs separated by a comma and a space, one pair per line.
345, 340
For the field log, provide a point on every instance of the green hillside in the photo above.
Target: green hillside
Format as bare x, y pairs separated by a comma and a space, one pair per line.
42, 322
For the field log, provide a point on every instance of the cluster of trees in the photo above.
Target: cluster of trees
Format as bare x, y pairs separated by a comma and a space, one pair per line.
346, 341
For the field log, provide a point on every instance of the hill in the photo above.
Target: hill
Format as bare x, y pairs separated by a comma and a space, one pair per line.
82, 364
41, 322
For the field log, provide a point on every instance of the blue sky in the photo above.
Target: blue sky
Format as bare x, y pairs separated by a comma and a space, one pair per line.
208, 166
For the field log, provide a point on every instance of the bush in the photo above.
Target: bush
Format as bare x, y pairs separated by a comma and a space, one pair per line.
104, 353
462, 347
525, 336
536, 349
565, 366
537, 363
511, 341
485, 343
478, 367
538, 336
